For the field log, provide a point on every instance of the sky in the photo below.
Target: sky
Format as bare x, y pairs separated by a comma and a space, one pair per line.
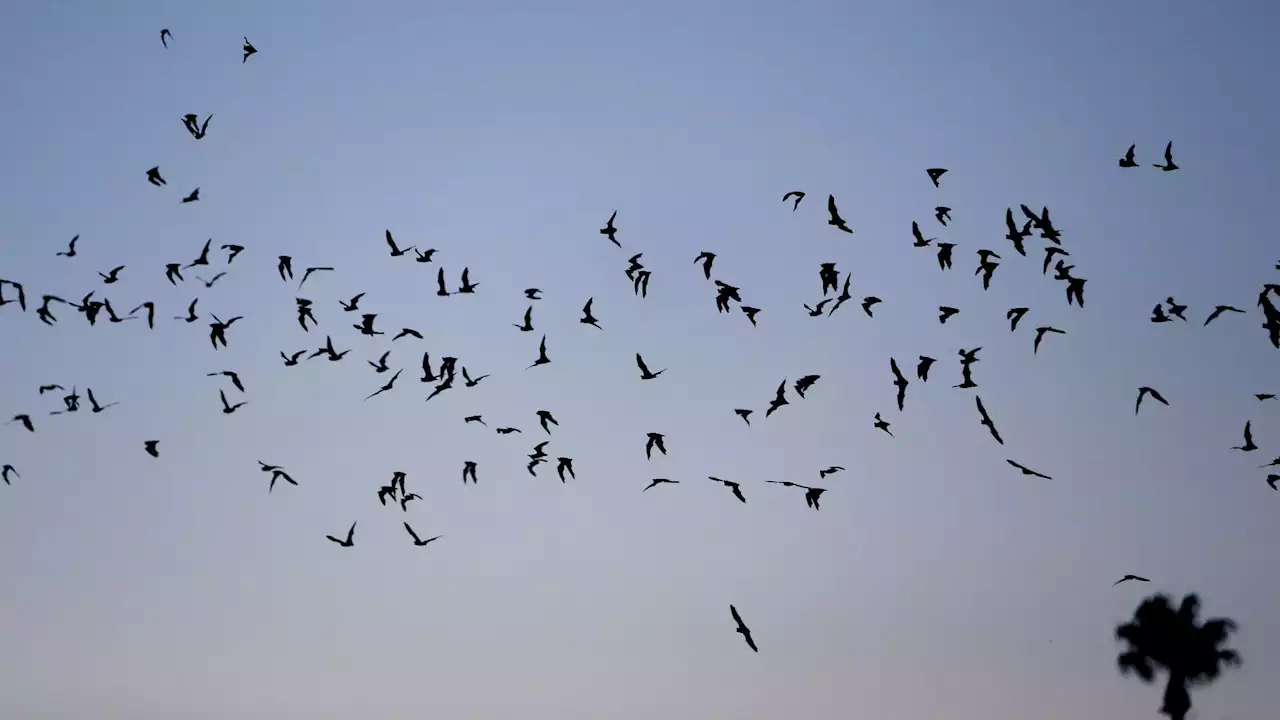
935, 581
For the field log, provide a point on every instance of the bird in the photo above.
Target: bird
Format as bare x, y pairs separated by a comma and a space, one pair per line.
1169, 165
93, 402
943, 214
232, 251
533, 293
291, 360
1040, 333
920, 239
634, 265
816, 311
986, 420
734, 487
1218, 310
424, 256
396, 251
1271, 480
1075, 289
152, 447
935, 174
869, 302
507, 430
797, 194
829, 277
1014, 315
836, 221
546, 420
228, 408
1128, 162
527, 326
249, 49
8, 470
660, 481
1145, 391
587, 317
350, 541
644, 369
564, 464
153, 177
655, 440
745, 414
441, 290
164, 33
25, 419
191, 315
944, 255
469, 470
279, 474
193, 196
351, 305
1028, 471
111, 277
831, 470
1014, 235
417, 541
50, 388
407, 332
945, 312
1248, 445
1175, 309
1136, 578
880, 424
743, 629
467, 287
922, 368
610, 231
285, 268
542, 354
899, 381
404, 500
475, 419
70, 252
751, 313
209, 283
151, 313
197, 132
307, 273
780, 399
218, 330
366, 324
804, 383
386, 388
469, 381
1265, 396
1049, 252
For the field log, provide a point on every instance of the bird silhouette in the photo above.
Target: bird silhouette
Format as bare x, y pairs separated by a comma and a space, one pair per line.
1248, 445
1265, 396
1040, 333
542, 355
986, 420
945, 312
944, 255
743, 629
25, 419
546, 420
1075, 289
587, 317
563, 465
153, 177
285, 268
350, 541
920, 239
8, 470
660, 481
641, 283
291, 360
173, 273
1014, 315
899, 381
634, 265
836, 221
396, 251
1051, 251
307, 273
869, 302
831, 470
1028, 471
1145, 391
644, 369
751, 313
797, 194
1175, 309
533, 293
1169, 165
780, 399
1271, 480
164, 33
1014, 234
804, 383
151, 313
152, 447
198, 131
228, 408
734, 487
469, 381
1218, 310
655, 440
1127, 161
70, 252
424, 256
386, 388
93, 402
507, 430
469, 470
610, 231
467, 287
707, 258
234, 377
816, 311
417, 541
745, 414
218, 330
232, 251
844, 296
193, 196
1136, 578
209, 283
441, 290
880, 424
811, 494
829, 276
935, 174
528, 321
279, 474
922, 368
943, 214
111, 277
351, 305
249, 49
407, 332
475, 419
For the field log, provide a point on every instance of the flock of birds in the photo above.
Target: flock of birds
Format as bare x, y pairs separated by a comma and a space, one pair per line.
445, 375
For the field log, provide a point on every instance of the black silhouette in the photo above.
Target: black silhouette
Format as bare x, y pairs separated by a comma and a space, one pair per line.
407, 332
654, 441
1248, 445
644, 369
227, 407
641, 283
1265, 396
829, 276
209, 283
70, 252
751, 312
151, 313
441, 290
920, 239
1014, 234
532, 293
386, 388
542, 355
707, 258
351, 305
417, 541
476, 419
151, 446
817, 311
986, 420
634, 265
1218, 310
746, 414
1127, 161
424, 256
869, 302
111, 277
831, 470
1191, 653
249, 49
396, 251
172, 271
278, 474
806, 382
945, 312
1271, 480
733, 486
610, 231
1169, 165
659, 481
469, 470
193, 196
8, 470
546, 420
1145, 391
528, 321
307, 273
218, 330
743, 629
943, 214
467, 287
880, 424
25, 420
291, 360
232, 251
1040, 333
1014, 315
1135, 578
944, 255
235, 378
922, 369
285, 268
797, 194
780, 399
153, 177
1028, 471
350, 541
565, 464
1049, 252
469, 381
507, 430
836, 221
197, 130
935, 174
899, 381
811, 494
1175, 309
587, 317
165, 34
1075, 288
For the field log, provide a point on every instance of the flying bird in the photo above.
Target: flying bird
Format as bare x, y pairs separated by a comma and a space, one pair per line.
922, 369
899, 381
734, 487
164, 33
232, 251
1050, 251
1127, 162
475, 419
8, 470
610, 231
880, 424
986, 420
228, 408
644, 369
532, 293
780, 399
193, 196
743, 629
249, 49
655, 440
151, 446
407, 332
386, 388
70, 252
396, 251
467, 287
935, 174
417, 541
470, 382
153, 177
25, 419
528, 321
836, 221
1135, 578
831, 470
587, 317
1218, 310
943, 214
1145, 391
797, 194
745, 414
1028, 471
1040, 333
920, 239
945, 312
542, 354
944, 255
209, 283
1014, 315
306, 274
659, 481
869, 302
1169, 165
1248, 445
350, 537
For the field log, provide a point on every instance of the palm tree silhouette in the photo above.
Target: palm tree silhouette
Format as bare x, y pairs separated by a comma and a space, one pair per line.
1191, 653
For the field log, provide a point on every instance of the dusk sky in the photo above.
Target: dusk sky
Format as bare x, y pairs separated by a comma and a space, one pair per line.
935, 582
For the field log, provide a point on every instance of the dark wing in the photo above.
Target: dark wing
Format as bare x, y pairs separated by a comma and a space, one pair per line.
412, 534
736, 617
392, 244
640, 361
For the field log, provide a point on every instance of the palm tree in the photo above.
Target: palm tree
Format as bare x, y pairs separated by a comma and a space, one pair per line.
1191, 653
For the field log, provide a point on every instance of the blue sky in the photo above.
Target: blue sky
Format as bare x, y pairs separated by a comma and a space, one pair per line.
935, 581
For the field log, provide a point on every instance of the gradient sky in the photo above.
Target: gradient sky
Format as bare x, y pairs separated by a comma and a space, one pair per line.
935, 582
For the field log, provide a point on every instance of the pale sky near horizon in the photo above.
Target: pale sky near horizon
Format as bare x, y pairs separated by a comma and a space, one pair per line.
936, 581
